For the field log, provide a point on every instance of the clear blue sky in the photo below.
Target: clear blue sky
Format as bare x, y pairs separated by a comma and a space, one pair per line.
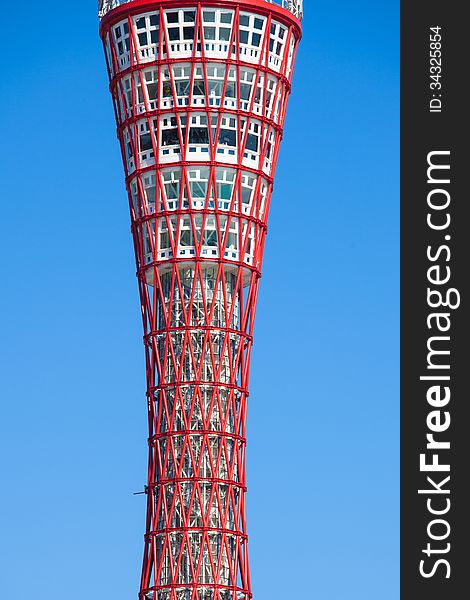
323, 441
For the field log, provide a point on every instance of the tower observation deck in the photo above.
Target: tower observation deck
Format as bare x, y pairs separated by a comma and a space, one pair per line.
200, 92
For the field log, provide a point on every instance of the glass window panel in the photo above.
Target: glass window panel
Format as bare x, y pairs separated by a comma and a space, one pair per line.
245, 91
198, 135
258, 23
224, 34
154, 20
182, 88
209, 16
199, 87
244, 20
152, 89
232, 241
243, 36
228, 137
151, 194
172, 17
140, 23
198, 189
215, 87
189, 16
255, 39
188, 33
145, 142
143, 39
209, 33
246, 195
187, 238
226, 17
172, 190
224, 191
230, 89
174, 33
170, 137
210, 238
164, 240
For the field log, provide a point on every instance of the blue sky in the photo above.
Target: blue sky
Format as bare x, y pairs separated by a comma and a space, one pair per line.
323, 440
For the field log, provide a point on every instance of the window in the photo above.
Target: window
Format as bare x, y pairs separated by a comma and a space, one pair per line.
228, 137
198, 189
146, 152
122, 43
173, 33
199, 87
245, 91
252, 142
277, 41
230, 89
164, 239
250, 31
182, 87
215, 87
171, 184
188, 33
151, 81
224, 191
167, 91
181, 26
147, 33
170, 137
209, 16
198, 135
144, 204
210, 238
224, 34
209, 33
145, 141
150, 191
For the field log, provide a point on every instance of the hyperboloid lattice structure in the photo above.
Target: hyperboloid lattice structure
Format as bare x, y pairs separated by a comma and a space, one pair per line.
200, 92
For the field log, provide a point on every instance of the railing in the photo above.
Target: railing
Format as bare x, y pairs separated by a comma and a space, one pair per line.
293, 6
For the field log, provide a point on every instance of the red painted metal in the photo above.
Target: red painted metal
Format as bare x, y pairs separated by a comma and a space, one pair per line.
198, 287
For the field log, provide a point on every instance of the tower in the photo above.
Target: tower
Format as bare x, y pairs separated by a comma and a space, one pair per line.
200, 92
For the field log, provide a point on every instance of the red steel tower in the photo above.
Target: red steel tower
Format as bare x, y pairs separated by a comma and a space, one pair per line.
200, 92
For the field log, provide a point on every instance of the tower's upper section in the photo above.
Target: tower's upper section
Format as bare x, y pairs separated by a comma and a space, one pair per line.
293, 6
